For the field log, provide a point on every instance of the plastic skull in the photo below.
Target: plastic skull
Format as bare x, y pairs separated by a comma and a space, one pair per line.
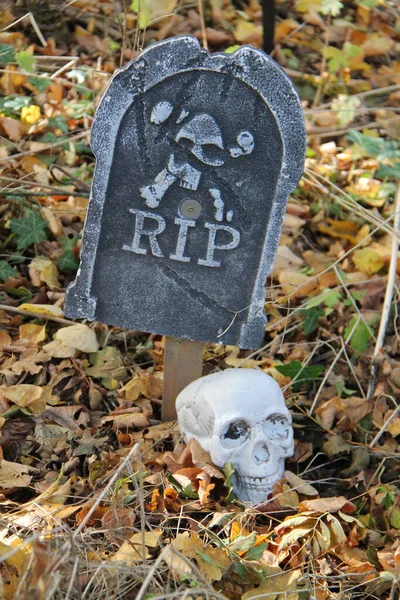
239, 416
205, 139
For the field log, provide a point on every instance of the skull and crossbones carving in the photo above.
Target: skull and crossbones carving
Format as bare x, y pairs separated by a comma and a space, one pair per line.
201, 136
239, 416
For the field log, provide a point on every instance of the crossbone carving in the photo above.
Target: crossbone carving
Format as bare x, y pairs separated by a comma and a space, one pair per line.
202, 137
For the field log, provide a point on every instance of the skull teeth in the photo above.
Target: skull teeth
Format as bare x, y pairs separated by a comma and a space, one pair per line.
257, 483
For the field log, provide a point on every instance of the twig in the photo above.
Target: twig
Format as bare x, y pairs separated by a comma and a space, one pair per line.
64, 68
388, 298
30, 16
202, 25
19, 192
72, 581
109, 485
385, 425
45, 147
56, 191
332, 131
34, 315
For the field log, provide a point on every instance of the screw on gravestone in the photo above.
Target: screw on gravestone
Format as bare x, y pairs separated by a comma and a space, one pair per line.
196, 155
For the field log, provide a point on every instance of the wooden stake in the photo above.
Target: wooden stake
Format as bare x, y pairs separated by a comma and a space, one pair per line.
183, 363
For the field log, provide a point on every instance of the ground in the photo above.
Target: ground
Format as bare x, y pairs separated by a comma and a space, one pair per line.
100, 499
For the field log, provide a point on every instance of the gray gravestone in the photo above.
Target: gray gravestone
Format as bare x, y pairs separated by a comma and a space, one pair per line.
196, 156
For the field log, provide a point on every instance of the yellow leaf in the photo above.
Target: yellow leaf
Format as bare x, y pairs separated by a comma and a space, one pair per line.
236, 530
14, 557
131, 553
30, 114
154, 9
283, 584
33, 333
131, 550
336, 528
308, 5
78, 336
243, 30
42, 309
177, 565
368, 261
135, 388
233, 360
289, 538
57, 349
296, 284
394, 427
44, 270
26, 396
212, 562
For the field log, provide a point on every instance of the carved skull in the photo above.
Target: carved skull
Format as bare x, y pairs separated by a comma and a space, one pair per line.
239, 416
204, 138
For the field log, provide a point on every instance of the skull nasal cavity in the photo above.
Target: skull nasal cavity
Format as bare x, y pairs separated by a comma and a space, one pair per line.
261, 453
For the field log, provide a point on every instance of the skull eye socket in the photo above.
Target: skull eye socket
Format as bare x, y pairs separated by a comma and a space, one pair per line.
276, 427
235, 434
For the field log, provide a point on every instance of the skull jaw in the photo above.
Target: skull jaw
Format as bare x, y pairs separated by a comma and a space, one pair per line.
256, 489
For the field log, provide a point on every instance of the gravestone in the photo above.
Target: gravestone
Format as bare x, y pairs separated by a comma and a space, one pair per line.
196, 156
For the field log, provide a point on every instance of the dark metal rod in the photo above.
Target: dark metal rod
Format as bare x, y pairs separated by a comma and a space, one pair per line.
268, 8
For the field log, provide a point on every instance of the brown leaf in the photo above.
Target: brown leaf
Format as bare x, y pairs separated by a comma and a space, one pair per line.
14, 475
215, 37
171, 500
53, 221
301, 486
127, 419
71, 417
94, 519
330, 505
296, 284
118, 523
5, 339
12, 128
188, 476
29, 362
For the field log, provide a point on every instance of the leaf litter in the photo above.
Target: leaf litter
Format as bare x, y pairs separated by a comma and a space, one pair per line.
98, 497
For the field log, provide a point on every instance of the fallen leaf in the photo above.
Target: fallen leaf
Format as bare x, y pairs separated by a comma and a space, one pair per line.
301, 486
5, 339
58, 349
12, 128
79, 336
282, 585
331, 504
135, 549
43, 270
24, 395
32, 332
296, 284
118, 523
367, 261
42, 309
212, 562
14, 475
